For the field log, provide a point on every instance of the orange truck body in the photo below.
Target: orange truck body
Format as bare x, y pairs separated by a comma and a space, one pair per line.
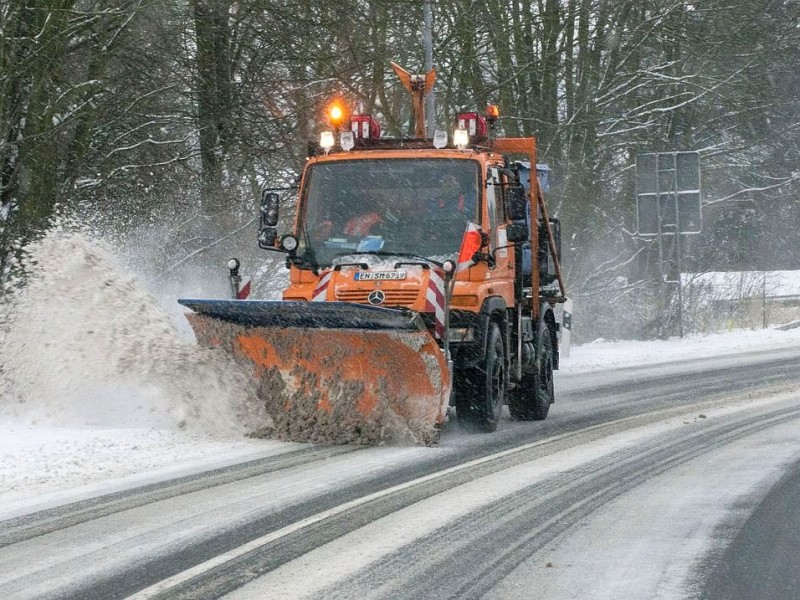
380, 333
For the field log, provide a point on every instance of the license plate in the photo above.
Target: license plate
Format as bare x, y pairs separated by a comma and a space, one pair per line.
379, 275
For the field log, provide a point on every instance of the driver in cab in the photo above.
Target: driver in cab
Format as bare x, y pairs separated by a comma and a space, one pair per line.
453, 199
386, 216
362, 225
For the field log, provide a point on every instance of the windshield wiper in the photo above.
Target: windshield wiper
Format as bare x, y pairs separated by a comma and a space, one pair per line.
306, 261
425, 259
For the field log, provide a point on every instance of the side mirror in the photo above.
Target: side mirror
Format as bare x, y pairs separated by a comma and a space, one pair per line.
547, 266
516, 203
269, 209
517, 232
268, 230
267, 237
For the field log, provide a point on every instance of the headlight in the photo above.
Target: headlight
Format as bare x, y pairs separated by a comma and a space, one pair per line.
461, 138
326, 140
289, 243
347, 140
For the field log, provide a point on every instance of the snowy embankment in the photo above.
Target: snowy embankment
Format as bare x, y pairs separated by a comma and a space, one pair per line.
604, 354
101, 392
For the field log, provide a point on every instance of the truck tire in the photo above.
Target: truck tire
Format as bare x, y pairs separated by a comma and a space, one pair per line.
531, 399
480, 392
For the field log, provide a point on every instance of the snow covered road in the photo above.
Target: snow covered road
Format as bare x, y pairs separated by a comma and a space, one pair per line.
632, 488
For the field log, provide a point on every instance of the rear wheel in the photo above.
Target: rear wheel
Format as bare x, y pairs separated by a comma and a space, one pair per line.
480, 392
531, 399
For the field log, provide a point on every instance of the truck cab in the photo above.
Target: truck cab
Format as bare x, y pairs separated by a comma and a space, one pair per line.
443, 230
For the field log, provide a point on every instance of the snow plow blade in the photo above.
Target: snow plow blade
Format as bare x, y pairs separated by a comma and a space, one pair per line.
334, 372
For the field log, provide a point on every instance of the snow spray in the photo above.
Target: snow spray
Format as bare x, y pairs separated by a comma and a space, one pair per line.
83, 345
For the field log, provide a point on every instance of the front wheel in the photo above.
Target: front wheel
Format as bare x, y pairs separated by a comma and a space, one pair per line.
531, 399
480, 392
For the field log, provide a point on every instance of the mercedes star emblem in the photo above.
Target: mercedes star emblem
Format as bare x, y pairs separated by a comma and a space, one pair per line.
376, 297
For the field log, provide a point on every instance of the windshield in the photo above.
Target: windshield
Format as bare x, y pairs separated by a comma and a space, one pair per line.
414, 206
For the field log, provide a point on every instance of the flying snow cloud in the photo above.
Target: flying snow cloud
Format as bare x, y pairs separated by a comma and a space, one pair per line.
84, 345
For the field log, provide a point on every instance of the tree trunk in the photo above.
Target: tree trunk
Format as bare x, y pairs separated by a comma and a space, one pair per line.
212, 36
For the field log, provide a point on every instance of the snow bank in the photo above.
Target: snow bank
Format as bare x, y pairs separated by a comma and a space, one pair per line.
605, 354
84, 346
39, 463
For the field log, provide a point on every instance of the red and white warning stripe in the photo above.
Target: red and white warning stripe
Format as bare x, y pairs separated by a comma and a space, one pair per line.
470, 244
435, 301
320, 292
244, 291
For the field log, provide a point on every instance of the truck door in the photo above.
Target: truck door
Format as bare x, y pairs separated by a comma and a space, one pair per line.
502, 274
496, 182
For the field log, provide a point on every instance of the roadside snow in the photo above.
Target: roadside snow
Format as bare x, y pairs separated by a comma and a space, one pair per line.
39, 465
604, 354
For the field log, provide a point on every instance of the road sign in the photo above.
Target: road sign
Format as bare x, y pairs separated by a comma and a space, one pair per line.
668, 193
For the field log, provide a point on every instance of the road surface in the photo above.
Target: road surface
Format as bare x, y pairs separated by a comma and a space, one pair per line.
663, 481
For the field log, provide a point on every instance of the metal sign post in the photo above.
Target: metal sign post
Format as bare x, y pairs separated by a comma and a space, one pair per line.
668, 193
668, 203
427, 39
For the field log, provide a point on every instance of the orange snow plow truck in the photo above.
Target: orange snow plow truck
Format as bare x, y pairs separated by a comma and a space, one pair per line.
424, 273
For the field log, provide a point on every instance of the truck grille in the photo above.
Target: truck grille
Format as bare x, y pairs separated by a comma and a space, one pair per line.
393, 297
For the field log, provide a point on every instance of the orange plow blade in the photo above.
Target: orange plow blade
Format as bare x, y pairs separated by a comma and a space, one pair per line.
351, 376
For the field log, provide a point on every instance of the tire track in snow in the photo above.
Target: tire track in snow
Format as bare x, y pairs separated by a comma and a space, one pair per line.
461, 546
478, 550
39, 523
184, 552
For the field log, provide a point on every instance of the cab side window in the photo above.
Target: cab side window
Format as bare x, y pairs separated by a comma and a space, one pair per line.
496, 183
